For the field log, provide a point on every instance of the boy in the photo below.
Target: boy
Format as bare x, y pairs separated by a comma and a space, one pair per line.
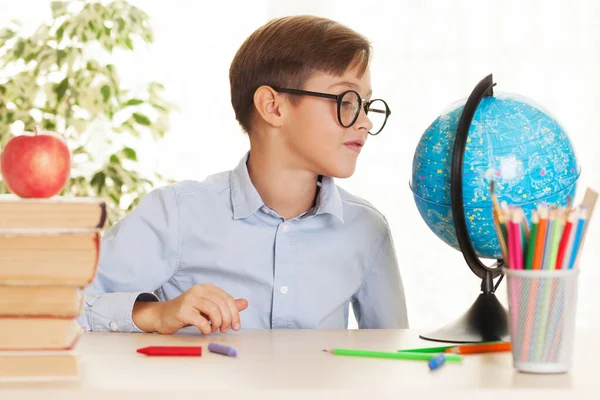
274, 243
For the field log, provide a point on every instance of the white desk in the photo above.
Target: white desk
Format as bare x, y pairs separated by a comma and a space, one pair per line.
290, 365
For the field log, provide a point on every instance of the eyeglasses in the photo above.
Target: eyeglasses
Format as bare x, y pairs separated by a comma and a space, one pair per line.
349, 105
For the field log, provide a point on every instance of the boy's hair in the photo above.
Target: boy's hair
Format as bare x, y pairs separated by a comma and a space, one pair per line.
286, 51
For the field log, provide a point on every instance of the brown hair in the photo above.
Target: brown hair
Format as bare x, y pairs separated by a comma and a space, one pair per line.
286, 51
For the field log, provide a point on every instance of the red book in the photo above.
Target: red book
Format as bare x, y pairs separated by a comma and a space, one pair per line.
171, 351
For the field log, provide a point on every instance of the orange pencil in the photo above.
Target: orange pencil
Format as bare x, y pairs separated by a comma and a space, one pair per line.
541, 237
480, 348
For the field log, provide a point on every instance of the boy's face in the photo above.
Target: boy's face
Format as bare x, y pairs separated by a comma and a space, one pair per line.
313, 132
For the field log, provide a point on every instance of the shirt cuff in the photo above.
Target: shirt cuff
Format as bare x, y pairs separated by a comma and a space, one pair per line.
111, 312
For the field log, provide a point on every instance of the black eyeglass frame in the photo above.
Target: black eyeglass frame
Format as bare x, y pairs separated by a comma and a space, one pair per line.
338, 98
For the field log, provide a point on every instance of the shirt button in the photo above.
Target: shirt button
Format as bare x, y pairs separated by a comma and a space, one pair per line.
283, 289
113, 326
285, 228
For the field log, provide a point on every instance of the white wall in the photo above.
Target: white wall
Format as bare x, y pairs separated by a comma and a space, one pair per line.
427, 54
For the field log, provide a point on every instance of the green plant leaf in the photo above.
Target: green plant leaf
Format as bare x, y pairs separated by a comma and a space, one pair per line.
114, 159
80, 150
121, 24
19, 48
7, 34
59, 8
133, 102
98, 181
129, 43
130, 154
105, 93
48, 124
60, 32
61, 56
142, 119
61, 89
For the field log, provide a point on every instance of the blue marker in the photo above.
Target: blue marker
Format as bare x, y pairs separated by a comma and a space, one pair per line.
437, 361
222, 349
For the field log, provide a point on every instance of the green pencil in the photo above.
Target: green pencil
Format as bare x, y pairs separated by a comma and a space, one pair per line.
532, 240
397, 355
428, 349
556, 234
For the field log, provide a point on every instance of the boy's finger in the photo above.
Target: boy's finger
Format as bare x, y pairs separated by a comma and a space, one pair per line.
234, 319
224, 308
211, 310
241, 304
194, 318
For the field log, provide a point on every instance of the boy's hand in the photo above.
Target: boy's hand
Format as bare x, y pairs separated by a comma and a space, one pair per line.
197, 306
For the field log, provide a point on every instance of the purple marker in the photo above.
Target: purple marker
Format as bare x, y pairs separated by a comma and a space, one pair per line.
222, 349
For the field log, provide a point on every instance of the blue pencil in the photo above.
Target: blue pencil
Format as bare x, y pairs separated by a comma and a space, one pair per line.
577, 240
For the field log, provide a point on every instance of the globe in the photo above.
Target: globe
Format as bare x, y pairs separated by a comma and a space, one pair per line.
511, 141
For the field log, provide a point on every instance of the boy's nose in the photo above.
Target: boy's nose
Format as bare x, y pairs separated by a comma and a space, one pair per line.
363, 121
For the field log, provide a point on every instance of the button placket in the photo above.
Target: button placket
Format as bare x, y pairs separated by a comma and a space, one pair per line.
285, 256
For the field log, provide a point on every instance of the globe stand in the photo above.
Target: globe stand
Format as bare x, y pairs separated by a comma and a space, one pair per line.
487, 319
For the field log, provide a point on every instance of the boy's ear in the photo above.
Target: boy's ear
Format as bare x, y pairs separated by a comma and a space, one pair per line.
268, 104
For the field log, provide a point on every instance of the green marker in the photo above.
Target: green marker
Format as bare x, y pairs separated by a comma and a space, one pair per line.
397, 355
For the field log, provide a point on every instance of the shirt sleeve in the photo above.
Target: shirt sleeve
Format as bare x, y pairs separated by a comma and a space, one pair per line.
380, 302
137, 256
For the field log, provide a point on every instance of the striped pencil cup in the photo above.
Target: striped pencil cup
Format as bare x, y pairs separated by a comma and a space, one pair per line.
542, 305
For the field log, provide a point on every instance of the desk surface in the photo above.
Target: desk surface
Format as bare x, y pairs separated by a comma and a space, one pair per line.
290, 364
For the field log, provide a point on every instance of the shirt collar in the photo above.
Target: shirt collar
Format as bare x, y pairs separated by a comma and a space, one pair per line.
244, 197
246, 200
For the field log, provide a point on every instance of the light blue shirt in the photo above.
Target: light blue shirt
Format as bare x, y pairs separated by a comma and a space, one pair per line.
300, 273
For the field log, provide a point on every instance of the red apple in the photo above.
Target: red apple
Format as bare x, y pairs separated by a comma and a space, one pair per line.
35, 164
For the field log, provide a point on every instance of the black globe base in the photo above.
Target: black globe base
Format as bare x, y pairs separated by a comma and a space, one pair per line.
485, 321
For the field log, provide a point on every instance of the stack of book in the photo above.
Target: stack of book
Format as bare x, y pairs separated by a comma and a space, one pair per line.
48, 253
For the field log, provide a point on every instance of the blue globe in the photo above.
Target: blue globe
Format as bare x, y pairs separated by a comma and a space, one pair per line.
512, 142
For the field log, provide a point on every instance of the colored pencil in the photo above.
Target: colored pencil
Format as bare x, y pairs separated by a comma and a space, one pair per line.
512, 251
532, 240
500, 232
525, 231
427, 349
517, 241
480, 348
564, 241
394, 355
540, 237
548, 241
506, 214
443, 349
555, 237
569, 249
578, 236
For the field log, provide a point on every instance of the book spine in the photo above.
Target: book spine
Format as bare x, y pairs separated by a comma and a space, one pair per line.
97, 242
103, 216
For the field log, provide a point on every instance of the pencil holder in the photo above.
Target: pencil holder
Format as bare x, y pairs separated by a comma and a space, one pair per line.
542, 306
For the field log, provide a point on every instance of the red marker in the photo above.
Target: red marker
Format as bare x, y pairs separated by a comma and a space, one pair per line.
171, 351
